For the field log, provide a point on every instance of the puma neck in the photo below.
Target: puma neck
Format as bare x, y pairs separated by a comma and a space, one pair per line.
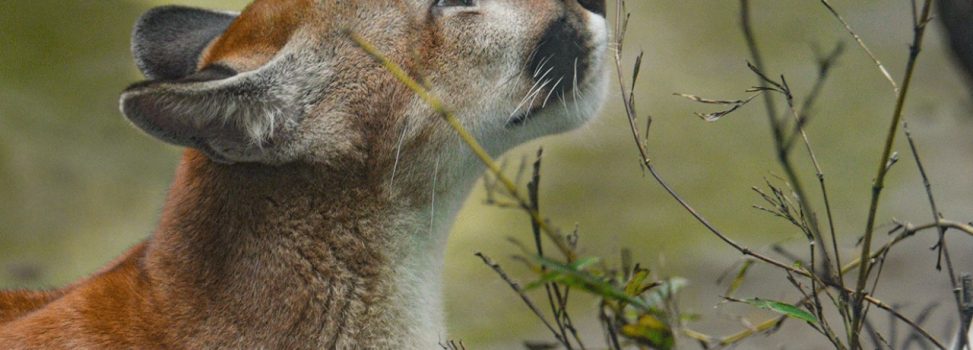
298, 252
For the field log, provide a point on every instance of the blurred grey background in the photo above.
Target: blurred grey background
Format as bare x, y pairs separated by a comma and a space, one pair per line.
78, 184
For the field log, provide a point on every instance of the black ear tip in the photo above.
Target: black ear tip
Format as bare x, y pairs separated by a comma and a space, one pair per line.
167, 40
143, 40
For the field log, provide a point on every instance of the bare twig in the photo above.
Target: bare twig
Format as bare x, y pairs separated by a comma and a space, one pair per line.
915, 326
963, 336
861, 43
932, 205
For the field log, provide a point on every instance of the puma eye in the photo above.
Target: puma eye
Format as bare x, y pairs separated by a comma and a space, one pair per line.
455, 3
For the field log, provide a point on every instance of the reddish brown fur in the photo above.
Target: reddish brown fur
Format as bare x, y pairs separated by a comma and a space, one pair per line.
160, 292
14, 304
259, 33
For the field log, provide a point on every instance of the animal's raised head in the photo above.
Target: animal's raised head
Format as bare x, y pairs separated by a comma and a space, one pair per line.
282, 81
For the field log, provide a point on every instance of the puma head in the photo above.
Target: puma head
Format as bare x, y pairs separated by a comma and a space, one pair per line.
282, 81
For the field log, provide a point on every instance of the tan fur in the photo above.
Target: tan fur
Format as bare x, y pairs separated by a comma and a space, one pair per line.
335, 242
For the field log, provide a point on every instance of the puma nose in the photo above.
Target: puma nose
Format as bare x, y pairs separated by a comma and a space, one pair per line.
596, 6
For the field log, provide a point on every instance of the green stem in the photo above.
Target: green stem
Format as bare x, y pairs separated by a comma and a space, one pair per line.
858, 316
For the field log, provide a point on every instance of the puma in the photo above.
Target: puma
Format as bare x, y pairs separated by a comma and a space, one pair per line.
313, 202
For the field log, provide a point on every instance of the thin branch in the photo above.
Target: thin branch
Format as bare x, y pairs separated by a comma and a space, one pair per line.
824, 68
648, 164
861, 43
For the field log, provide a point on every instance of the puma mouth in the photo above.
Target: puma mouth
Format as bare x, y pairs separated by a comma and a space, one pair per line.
566, 63
561, 56
566, 60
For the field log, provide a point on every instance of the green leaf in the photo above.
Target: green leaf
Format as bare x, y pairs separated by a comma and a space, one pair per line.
781, 308
569, 275
577, 265
545, 279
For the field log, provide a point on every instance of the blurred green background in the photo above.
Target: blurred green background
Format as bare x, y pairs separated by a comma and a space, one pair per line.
78, 184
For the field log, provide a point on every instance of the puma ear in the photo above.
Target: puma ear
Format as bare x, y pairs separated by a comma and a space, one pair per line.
231, 117
168, 41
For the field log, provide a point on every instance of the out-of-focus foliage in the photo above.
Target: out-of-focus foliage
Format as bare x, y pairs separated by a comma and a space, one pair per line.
76, 182
78, 185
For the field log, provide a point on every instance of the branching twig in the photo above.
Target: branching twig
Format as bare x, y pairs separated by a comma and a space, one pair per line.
782, 148
781, 143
